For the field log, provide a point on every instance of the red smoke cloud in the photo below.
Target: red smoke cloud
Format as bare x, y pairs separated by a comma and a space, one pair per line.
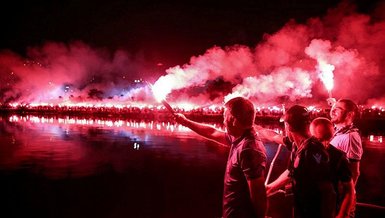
284, 65
57, 73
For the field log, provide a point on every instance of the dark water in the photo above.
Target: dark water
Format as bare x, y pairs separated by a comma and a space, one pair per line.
71, 167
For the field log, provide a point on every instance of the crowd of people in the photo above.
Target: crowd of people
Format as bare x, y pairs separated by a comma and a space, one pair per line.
138, 112
323, 167
148, 111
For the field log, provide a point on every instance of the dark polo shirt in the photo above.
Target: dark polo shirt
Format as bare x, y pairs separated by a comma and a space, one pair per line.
247, 160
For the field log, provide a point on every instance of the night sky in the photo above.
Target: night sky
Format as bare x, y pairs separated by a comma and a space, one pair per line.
166, 31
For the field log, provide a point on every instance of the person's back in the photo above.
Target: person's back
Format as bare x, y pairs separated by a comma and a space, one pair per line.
246, 160
340, 174
314, 195
322, 129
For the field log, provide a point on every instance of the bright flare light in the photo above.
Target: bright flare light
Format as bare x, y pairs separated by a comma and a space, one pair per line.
326, 75
162, 88
160, 93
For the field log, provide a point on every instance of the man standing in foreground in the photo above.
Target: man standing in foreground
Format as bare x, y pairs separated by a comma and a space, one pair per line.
347, 137
244, 190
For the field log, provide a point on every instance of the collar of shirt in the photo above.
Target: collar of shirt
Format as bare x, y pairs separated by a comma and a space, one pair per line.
303, 144
239, 139
344, 129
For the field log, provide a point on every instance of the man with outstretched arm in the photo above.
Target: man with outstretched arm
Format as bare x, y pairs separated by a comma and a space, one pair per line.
244, 192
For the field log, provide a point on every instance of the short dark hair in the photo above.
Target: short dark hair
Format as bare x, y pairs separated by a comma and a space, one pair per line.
298, 118
326, 128
243, 110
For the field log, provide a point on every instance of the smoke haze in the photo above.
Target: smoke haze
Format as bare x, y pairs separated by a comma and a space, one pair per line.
285, 65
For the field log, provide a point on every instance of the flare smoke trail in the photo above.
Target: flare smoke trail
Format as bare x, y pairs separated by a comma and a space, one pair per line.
57, 73
285, 64
289, 61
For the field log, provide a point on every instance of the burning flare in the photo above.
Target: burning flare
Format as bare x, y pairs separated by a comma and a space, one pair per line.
160, 92
161, 88
326, 75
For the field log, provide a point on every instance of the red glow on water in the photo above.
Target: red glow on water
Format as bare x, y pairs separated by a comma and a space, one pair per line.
375, 138
115, 107
111, 123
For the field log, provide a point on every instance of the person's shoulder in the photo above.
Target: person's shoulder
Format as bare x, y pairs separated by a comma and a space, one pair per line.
313, 144
253, 142
315, 147
335, 151
351, 129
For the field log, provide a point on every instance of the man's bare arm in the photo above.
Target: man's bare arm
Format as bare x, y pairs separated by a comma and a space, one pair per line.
204, 130
258, 195
355, 169
269, 135
280, 182
347, 201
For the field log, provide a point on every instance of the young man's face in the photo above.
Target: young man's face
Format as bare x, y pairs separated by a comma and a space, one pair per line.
338, 113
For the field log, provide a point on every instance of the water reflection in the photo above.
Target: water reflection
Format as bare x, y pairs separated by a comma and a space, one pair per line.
162, 161
77, 167
75, 147
375, 139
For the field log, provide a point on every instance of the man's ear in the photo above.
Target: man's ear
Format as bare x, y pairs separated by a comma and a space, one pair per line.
233, 120
351, 115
